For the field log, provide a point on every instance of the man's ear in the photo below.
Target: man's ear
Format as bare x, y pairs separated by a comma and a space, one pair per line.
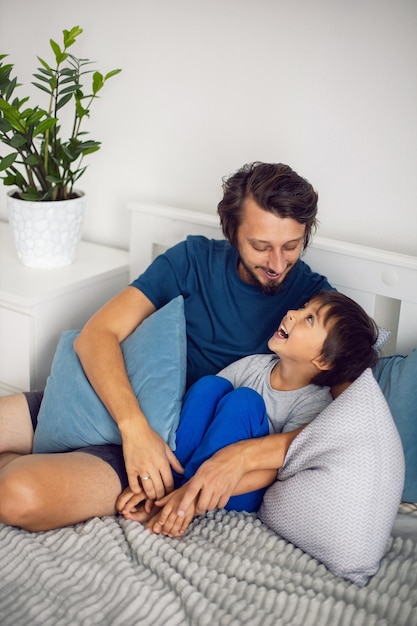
321, 364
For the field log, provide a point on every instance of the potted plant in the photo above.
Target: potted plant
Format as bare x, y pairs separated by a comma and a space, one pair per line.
43, 163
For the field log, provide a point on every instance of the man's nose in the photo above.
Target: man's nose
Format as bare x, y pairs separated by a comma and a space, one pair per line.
277, 262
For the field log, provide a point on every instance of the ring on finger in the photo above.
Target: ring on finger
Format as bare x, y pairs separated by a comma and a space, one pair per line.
145, 477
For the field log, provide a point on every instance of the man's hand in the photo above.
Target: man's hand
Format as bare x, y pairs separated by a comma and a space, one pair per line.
218, 478
214, 482
148, 461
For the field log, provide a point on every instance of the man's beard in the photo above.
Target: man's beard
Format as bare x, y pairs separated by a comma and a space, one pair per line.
270, 289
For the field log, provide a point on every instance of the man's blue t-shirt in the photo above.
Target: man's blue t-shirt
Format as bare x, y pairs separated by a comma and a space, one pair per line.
226, 318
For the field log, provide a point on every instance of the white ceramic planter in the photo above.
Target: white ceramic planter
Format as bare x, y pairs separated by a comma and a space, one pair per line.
46, 233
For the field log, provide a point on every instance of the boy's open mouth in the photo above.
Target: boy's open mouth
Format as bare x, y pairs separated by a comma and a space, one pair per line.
282, 332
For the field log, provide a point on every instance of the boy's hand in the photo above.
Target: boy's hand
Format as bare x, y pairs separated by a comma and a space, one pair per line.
134, 506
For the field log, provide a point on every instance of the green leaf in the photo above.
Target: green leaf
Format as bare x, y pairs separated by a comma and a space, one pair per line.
69, 79
71, 35
27, 113
43, 78
35, 117
98, 82
45, 125
46, 72
88, 144
44, 63
42, 88
7, 161
11, 179
4, 125
63, 101
12, 115
112, 73
91, 150
32, 159
70, 89
10, 89
31, 195
18, 103
81, 112
59, 55
68, 71
53, 179
79, 173
17, 141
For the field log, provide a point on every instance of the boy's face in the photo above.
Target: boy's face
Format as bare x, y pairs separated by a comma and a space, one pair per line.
269, 246
301, 334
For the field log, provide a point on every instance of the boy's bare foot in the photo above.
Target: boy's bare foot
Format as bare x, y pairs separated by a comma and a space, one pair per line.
166, 521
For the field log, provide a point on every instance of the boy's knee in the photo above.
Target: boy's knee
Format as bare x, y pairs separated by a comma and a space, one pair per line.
249, 397
211, 385
248, 409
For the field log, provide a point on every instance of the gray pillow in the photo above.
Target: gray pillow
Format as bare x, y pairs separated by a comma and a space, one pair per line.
339, 489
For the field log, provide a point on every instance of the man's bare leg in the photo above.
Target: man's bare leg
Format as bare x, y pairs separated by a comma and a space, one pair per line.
16, 431
46, 491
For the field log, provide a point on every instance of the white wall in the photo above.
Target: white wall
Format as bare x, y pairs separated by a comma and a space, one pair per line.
328, 87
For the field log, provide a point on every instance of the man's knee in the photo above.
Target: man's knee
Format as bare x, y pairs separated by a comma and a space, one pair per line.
20, 498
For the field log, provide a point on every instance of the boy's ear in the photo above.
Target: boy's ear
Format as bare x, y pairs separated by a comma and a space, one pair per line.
321, 364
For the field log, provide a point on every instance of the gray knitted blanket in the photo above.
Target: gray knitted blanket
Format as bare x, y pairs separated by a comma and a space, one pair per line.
229, 569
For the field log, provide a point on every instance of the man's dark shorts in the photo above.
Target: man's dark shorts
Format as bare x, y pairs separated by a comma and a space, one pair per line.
111, 454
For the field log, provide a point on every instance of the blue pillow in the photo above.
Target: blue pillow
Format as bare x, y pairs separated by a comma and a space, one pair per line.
397, 377
72, 416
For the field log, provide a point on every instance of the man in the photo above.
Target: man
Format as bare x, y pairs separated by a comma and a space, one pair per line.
235, 292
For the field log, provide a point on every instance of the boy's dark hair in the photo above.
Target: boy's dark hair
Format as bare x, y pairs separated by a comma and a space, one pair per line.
350, 343
276, 188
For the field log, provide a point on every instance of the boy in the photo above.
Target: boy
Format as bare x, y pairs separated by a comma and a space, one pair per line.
327, 343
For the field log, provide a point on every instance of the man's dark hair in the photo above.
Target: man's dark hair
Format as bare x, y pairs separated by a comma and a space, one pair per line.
276, 188
349, 347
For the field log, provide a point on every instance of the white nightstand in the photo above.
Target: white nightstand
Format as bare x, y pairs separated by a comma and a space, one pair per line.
36, 305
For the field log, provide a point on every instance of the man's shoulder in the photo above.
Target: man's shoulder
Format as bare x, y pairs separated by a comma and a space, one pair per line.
198, 248
305, 274
199, 241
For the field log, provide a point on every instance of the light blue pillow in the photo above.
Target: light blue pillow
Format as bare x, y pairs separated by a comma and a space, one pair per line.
72, 416
338, 492
397, 377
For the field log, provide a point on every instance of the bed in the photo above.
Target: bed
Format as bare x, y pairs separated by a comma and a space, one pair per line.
229, 568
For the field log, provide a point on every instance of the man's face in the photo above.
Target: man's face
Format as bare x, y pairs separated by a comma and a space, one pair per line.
268, 245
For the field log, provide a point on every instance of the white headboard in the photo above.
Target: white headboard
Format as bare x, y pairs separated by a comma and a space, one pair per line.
383, 282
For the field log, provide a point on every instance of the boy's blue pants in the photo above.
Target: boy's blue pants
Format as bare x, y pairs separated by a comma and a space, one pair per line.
214, 415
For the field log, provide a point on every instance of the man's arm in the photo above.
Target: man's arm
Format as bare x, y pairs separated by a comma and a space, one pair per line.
228, 472
98, 347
